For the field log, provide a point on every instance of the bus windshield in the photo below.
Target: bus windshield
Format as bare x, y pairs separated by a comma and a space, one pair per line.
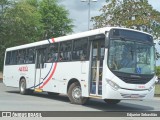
131, 57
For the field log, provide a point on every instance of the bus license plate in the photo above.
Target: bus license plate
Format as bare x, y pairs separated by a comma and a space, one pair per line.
135, 96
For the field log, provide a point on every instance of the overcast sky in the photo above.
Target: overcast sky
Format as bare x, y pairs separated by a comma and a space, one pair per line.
79, 13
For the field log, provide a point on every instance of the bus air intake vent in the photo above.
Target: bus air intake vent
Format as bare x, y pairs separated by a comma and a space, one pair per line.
133, 95
143, 79
135, 80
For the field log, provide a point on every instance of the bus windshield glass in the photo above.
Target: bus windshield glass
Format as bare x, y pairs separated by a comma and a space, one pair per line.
129, 56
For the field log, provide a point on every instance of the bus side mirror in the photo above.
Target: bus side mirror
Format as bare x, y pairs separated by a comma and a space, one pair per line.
106, 39
156, 80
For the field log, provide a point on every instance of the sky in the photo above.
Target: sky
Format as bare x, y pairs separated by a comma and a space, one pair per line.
78, 11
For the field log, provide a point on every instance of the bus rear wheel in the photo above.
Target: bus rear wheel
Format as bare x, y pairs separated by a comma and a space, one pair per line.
22, 87
75, 94
111, 101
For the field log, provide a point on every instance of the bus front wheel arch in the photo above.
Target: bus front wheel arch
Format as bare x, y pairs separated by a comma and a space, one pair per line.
75, 94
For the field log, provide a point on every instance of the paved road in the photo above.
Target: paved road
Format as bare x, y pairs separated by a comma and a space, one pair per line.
11, 100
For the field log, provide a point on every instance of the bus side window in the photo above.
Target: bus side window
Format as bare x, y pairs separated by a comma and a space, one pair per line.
13, 58
80, 49
21, 56
29, 57
65, 51
53, 53
8, 58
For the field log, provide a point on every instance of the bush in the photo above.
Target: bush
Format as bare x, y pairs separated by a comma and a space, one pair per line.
1, 66
158, 71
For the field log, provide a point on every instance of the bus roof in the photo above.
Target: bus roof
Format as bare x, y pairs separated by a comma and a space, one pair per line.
69, 37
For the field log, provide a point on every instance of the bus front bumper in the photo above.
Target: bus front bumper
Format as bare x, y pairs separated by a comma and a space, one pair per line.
122, 94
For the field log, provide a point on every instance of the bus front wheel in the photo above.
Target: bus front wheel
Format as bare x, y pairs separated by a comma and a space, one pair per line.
75, 94
111, 101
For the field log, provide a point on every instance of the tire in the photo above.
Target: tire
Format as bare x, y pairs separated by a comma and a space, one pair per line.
22, 87
74, 94
52, 94
29, 91
111, 101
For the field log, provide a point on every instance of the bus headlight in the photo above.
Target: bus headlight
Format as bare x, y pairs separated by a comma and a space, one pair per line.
151, 87
113, 84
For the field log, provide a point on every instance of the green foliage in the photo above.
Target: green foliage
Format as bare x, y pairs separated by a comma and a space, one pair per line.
157, 54
22, 23
54, 17
26, 21
158, 71
157, 90
136, 14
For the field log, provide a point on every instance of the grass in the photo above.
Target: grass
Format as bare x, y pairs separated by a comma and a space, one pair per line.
157, 89
1, 75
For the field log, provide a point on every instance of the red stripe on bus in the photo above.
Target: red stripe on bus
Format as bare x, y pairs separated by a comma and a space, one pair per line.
53, 71
53, 40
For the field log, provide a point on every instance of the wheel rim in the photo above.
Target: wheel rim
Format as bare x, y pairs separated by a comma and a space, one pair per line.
22, 87
76, 93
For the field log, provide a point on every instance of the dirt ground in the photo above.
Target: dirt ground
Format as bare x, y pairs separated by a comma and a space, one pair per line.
1, 75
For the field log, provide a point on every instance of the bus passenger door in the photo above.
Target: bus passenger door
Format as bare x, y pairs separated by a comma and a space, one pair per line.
97, 56
40, 60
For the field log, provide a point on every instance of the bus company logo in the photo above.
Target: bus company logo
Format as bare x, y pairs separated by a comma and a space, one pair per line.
23, 68
141, 86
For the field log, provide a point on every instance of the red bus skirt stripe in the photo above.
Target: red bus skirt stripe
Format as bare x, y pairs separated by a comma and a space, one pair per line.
53, 71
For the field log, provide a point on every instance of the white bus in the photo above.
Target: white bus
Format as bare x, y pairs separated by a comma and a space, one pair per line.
109, 63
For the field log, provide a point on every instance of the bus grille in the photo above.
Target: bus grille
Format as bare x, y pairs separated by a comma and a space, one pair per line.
133, 95
131, 80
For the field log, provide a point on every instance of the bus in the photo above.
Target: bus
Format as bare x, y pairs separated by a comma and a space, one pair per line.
110, 63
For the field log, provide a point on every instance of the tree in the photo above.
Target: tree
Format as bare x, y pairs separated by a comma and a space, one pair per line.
3, 6
55, 19
23, 23
20, 25
158, 71
136, 14
26, 21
